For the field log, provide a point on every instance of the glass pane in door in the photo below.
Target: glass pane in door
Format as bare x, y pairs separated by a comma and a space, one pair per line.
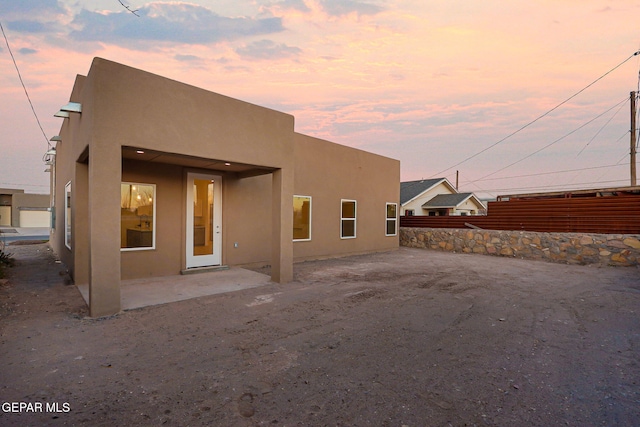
202, 216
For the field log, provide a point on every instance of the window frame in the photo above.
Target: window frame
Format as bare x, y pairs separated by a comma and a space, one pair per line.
354, 219
153, 226
310, 217
68, 215
394, 219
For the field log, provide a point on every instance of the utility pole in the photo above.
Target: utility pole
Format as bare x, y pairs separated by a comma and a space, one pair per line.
456, 180
632, 152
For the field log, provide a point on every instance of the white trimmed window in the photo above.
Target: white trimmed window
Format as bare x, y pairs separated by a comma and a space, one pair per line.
301, 218
348, 219
137, 216
392, 219
67, 215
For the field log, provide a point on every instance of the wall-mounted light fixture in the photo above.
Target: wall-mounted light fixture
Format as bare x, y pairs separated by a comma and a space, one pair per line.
49, 156
72, 107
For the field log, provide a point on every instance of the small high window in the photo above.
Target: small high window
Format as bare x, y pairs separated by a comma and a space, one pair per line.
137, 216
392, 219
301, 218
348, 219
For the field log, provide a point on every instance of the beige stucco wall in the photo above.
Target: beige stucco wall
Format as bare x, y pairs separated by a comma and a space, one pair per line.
25, 200
5, 216
330, 172
145, 110
245, 205
416, 204
35, 218
75, 133
247, 220
166, 258
17, 208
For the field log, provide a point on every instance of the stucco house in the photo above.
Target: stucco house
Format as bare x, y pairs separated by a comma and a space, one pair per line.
153, 177
20, 209
437, 197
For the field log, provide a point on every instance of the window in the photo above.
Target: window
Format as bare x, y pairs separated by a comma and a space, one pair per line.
53, 195
409, 212
348, 219
301, 218
67, 215
137, 216
392, 219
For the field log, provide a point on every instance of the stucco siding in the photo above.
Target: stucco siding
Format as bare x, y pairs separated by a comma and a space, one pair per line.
165, 259
178, 118
330, 172
247, 220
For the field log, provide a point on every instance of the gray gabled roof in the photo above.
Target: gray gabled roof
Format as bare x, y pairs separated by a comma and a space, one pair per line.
447, 200
411, 189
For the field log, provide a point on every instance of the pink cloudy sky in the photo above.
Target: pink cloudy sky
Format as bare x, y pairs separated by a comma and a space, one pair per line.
430, 83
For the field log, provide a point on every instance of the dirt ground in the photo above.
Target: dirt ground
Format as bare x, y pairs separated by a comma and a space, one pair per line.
407, 338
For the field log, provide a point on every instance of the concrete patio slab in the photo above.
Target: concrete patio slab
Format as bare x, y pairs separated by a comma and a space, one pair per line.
150, 291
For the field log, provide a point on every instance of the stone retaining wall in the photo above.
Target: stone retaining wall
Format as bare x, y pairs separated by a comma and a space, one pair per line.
570, 248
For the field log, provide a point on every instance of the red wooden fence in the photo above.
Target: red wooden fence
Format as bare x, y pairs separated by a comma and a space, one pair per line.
608, 215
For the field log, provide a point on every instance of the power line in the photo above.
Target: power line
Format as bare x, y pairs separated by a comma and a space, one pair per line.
563, 186
135, 12
15, 64
617, 164
554, 142
539, 117
623, 157
479, 188
545, 173
600, 130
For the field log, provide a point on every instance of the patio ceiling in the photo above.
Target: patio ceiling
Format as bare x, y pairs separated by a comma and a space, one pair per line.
242, 170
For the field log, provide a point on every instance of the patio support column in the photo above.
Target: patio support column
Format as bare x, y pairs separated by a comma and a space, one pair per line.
105, 176
282, 226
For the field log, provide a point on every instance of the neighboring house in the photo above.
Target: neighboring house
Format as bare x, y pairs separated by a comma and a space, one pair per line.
20, 209
153, 177
437, 197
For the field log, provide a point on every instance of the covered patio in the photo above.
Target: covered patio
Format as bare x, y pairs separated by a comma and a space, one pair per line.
138, 293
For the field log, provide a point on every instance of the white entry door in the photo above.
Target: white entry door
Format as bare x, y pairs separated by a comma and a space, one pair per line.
204, 220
